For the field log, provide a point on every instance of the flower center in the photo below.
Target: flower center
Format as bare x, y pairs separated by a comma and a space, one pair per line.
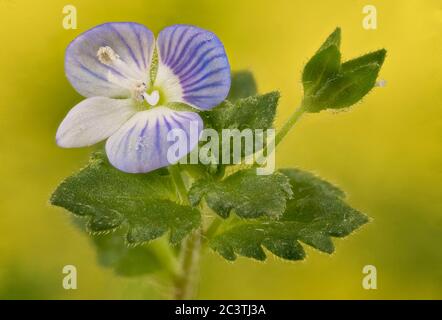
130, 78
153, 98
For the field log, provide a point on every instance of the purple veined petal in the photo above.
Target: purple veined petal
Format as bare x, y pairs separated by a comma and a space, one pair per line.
142, 144
193, 66
93, 120
132, 42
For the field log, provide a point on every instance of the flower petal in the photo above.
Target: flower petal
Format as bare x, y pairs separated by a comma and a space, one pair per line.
193, 66
133, 43
93, 120
142, 144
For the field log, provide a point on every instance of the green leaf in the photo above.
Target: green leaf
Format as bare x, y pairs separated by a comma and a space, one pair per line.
328, 84
248, 194
316, 213
334, 39
255, 112
346, 89
110, 199
322, 67
243, 85
321, 204
376, 57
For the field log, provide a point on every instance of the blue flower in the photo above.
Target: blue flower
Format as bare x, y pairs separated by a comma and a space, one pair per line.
111, 66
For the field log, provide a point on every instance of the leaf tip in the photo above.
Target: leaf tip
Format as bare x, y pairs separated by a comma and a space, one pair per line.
333, 39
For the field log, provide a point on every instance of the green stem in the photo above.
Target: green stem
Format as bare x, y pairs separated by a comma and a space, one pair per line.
186, 280
166, 255
211, 230
175, 172
289, 124
295, 116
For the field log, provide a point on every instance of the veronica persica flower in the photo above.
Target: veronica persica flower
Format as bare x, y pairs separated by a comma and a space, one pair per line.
111, 66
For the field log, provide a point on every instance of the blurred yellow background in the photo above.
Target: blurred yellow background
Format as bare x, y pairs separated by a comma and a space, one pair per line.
386, 152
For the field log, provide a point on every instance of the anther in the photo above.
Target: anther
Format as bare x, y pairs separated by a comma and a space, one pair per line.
107, 56
139, 90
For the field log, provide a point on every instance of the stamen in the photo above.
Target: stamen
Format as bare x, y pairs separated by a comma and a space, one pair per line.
107, 56
123, 74
139, 91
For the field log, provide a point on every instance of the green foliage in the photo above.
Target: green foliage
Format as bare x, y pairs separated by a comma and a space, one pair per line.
113, 252
255, 112
316, 213
346, 89
328, 84
321, 204
323, 66
334, 39
248, 194
243, 85
375, 57
111, 199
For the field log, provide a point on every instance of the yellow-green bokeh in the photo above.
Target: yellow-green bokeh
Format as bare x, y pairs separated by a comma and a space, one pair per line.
386, 152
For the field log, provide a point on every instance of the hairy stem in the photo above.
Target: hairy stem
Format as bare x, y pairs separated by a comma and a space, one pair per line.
211, 230
186, 280
175, 172
165, 253
288, 125
295, 116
